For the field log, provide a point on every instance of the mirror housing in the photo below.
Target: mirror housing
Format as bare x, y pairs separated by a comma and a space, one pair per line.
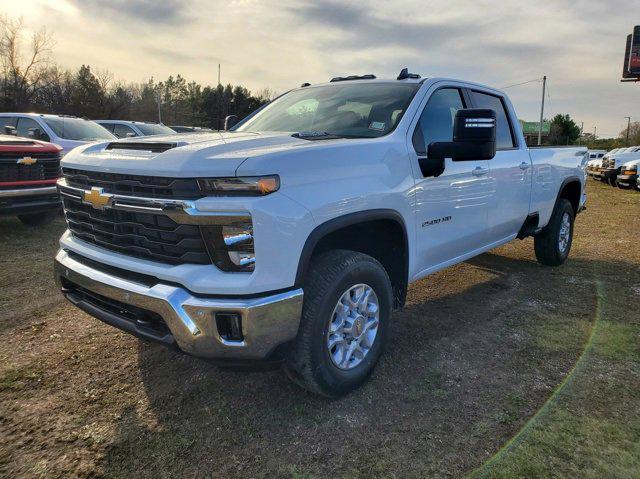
474, 137
10, 130
230, 121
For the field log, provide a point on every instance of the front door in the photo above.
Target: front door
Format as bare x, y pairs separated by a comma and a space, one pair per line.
451, 209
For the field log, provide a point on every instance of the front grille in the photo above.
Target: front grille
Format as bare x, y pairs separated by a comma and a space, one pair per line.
146, 236
46, 168
134, 185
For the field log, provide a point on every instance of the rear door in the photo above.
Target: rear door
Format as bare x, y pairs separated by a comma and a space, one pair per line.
451, 209
510, 171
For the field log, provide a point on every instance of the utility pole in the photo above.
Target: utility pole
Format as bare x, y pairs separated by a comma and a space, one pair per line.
159, 112
581, 128
219, 92
628, 126
544, 86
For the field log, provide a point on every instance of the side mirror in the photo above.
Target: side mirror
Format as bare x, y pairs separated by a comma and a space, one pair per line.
230, 121
10, 130
474, 137
34, 133
130, 135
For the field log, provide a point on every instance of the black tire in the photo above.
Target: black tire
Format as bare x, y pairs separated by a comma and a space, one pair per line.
38, 219
331, 274
547, 242
613, 181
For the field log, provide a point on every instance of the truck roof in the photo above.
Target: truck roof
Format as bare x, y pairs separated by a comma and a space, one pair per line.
405, 80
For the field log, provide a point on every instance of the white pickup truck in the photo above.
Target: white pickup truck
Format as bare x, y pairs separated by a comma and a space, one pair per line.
294, 236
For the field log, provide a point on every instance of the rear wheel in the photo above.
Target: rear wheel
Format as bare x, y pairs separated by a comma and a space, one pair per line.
38, 219
347, 307
553, 243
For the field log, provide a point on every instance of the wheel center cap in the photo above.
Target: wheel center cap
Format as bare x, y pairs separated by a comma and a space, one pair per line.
358, 326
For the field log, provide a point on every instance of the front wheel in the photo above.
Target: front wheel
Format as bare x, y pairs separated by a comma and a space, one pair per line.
345, 316
553, 243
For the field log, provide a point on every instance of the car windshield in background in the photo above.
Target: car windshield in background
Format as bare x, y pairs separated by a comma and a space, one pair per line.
148, 129
77, 129
365, 110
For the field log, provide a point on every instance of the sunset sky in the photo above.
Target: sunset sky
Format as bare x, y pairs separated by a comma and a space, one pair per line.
578, 45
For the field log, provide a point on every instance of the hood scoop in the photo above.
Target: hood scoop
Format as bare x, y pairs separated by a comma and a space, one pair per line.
141, 146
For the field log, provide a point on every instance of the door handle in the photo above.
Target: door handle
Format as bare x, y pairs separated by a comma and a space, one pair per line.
524, 165
479, 171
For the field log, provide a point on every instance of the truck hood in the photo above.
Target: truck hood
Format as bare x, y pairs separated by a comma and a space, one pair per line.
631, 163
194, 155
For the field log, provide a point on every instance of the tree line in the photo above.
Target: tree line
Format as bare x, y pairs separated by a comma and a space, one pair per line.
30, 80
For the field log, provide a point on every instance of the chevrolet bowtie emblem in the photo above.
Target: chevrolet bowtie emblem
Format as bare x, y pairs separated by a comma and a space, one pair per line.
27, 160
97, 198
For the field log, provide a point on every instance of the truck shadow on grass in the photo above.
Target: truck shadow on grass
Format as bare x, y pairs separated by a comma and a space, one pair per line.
476, 351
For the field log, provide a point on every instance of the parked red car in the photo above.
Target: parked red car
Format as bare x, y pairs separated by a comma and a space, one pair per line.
29, 170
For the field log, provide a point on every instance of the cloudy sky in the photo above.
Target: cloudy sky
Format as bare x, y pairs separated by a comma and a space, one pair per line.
579, 45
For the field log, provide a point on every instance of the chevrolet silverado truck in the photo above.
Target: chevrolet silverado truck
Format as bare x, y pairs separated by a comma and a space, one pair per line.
29, 170
294, 236
611, 164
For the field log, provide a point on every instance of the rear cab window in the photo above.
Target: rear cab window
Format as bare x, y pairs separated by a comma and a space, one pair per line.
505, 138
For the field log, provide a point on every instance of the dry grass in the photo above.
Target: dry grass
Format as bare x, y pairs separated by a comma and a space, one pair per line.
474, 359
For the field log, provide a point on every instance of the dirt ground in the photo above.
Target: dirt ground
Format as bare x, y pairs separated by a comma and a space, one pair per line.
497, 367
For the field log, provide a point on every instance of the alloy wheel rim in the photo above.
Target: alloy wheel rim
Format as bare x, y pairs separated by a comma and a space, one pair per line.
565, 233
353, 326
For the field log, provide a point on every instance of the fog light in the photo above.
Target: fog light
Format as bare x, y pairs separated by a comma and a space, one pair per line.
229, 326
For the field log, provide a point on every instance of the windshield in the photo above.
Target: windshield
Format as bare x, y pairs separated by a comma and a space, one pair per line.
148, 129
365, 110
77, 129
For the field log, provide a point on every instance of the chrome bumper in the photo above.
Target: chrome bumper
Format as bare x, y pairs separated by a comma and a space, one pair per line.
47, 190
266, 321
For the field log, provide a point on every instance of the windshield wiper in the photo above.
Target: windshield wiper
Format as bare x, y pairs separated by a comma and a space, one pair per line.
316, 135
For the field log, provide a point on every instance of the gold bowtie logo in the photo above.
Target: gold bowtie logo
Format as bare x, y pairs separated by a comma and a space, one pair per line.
97, 198
27, 160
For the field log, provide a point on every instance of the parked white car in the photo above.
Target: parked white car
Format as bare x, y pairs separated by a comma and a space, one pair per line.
65, 131
132, 129
294, 236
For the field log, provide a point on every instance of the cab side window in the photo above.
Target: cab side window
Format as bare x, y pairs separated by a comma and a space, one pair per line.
436, 121
6, 121
504, 136
29, 128
121, 131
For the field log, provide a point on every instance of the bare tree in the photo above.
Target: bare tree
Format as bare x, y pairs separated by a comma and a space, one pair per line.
24, 74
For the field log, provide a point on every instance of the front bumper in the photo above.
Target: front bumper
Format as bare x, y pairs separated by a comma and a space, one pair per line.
190, 320
29, 200
609, 173
628, 180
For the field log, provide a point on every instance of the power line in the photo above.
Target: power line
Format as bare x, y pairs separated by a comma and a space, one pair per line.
523, 83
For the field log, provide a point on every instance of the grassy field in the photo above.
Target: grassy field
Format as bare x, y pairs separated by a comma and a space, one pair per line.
497, 367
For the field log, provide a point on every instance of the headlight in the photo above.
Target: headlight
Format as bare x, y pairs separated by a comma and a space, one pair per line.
231, 246
240, 185
630, 170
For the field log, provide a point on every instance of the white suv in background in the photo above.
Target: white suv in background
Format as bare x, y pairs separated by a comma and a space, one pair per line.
65, 131
131, 129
